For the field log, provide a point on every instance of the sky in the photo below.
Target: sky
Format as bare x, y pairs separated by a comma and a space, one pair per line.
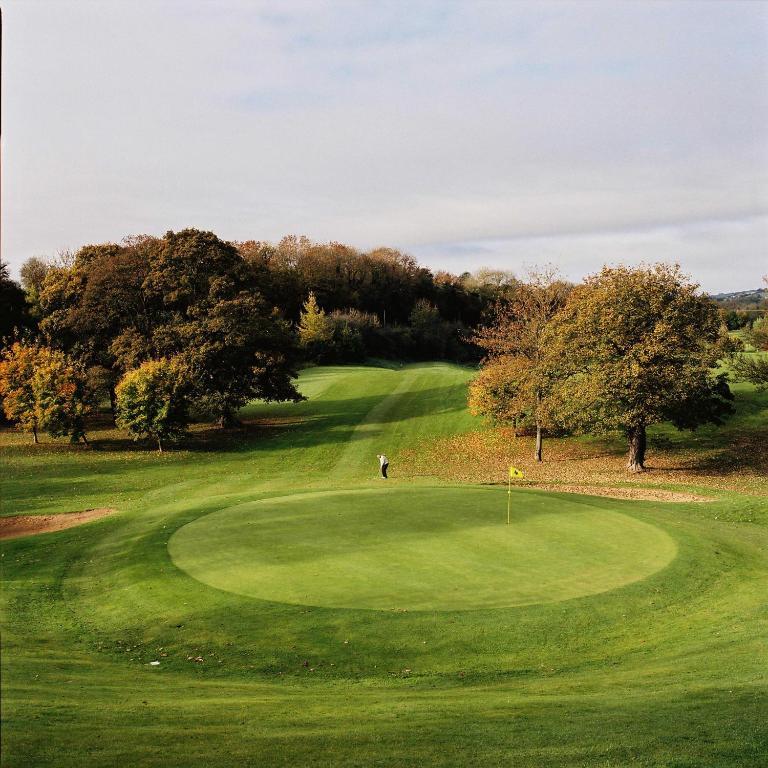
469, 134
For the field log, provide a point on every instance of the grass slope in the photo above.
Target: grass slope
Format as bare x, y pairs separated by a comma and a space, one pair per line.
668, 670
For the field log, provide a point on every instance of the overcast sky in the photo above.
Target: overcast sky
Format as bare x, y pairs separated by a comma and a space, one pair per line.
467, 133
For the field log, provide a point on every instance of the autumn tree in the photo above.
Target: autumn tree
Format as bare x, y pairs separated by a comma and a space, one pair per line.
32, 273
43, 389
17, 370
492, 284
152, 401
517, 374
639, 347
61, 394
497, 392
315, 328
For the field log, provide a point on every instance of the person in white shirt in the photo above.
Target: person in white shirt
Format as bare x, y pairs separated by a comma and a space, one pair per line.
384, 462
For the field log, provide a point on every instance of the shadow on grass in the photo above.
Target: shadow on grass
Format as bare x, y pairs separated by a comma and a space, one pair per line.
310, 423
268, 427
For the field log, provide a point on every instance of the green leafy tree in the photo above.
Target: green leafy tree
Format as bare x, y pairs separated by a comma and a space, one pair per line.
518, 374
193, 270
14, 315
32, 273
430, 334
187, 294
752, 368
234, 346
238, 352
758, 334
639, 347
89, 302
152, 401
43, 389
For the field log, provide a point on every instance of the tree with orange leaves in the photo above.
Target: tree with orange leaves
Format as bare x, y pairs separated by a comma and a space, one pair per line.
513, 383
44, 390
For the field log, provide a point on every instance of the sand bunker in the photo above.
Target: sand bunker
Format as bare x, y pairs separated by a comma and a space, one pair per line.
28, 525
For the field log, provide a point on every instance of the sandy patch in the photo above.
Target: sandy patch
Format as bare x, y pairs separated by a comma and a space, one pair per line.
637, 494
28, 525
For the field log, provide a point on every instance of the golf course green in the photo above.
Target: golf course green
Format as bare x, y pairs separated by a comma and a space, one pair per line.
263, 598
443, 549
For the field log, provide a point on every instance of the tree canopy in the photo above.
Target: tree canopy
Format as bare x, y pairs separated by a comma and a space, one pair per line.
638, 346
187, 294
231, 314
14, 311
516, 380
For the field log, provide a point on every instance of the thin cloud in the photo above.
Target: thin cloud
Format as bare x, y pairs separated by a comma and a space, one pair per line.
393, 123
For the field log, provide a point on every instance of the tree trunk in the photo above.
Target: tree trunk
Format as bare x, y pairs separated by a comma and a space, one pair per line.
538, 425
227, 419
538, 442
159, 444
34, 435
637, 443
84, 438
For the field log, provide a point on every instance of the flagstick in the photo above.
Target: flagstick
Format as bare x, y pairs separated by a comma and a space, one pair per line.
509, 496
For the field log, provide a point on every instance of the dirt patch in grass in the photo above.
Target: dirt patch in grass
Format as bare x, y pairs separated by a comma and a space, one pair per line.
637, 494
28, 525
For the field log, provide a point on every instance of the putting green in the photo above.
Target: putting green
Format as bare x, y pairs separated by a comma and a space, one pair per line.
419, 549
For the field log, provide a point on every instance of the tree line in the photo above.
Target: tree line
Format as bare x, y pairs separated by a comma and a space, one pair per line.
190, 326
167, 328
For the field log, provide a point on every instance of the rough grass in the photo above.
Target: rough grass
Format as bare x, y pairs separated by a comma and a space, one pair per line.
668, 670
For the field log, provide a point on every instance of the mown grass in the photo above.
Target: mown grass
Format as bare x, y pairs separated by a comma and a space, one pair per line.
669, 670
426, 549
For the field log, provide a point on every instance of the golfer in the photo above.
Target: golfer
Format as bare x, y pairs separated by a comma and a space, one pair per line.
384, 461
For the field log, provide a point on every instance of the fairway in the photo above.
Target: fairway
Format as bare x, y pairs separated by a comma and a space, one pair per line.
303, 612
435, 549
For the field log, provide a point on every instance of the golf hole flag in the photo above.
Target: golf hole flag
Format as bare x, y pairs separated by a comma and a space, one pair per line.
514, 472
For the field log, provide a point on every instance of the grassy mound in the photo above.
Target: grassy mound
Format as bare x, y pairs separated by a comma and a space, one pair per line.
442, 549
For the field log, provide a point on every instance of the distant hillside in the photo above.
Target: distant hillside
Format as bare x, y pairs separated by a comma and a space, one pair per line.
742, 299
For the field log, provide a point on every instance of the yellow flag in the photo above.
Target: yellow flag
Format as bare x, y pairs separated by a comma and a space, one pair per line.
515, 472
